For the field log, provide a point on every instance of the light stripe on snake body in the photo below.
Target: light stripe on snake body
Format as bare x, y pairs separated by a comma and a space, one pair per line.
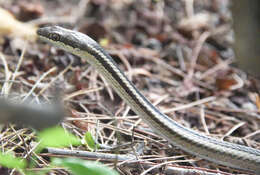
195, 143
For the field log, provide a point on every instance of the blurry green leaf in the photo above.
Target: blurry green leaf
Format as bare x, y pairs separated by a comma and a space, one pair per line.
104, 42
83, 167
37, 172
9, 161
90, 141
57, 137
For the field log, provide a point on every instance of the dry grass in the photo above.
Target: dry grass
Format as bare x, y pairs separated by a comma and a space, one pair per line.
188, 78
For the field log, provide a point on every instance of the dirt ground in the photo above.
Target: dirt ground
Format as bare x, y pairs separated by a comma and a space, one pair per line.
178, 54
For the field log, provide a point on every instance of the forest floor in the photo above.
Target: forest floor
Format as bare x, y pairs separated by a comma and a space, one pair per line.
177, 53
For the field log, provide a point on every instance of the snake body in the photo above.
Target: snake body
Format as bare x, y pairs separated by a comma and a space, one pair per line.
195, 143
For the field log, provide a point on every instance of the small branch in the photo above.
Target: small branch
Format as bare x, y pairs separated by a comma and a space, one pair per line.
95, 155
130, 160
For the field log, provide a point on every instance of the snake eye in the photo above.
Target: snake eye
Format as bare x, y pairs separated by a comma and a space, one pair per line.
54, 36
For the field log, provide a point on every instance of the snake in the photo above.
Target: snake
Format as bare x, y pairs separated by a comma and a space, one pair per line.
190, 141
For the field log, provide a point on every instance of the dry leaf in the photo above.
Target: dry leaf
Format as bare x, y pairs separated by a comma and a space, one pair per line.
197, 21
225, 83
257, 101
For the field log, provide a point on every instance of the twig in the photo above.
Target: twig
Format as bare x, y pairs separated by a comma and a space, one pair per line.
81, 92
17, 68
195, 54
203, 121
53, 80
195, 103
39, 80
95, 155
131, 160
7, 75
233, 129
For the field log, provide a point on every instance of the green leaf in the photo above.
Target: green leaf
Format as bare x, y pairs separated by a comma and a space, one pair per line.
9, 161
83, 167
104, 42
56, 137
90, 141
